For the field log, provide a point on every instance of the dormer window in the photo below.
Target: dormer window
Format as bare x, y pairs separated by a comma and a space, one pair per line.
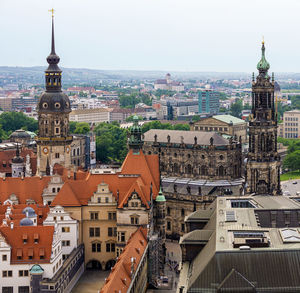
25, 238
36, 238
19, 253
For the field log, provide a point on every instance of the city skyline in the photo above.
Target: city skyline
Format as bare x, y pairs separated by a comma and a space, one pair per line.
144, 35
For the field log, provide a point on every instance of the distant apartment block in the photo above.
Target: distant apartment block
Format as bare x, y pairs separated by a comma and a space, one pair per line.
291, 126
91, 116
208, 101
6, 104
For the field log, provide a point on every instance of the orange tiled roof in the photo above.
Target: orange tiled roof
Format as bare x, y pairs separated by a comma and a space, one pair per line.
17, 213
29, 252
26, 188
7, 156
145, 169
120, 278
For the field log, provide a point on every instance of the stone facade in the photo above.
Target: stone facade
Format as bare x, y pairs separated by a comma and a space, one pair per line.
263, 165
195, 168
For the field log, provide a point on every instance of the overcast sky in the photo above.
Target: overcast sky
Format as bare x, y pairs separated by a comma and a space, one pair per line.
184, 35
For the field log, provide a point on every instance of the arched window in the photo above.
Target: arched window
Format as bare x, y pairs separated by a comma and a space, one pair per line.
176, 169
188, 169
203, 170
221, 171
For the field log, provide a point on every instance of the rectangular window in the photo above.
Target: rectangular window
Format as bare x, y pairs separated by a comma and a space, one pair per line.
121, 236
168, 225
57, 155
110, 247
112, 216
65, 243
23, 273
7, 289
6, 274
182, 227
65, 229
4, 257
94, 232
94, 215
23, 289
110, 231
96, 247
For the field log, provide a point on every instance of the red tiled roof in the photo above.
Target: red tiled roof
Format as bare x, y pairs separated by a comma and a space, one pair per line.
15, 238
26, 188
145, 169
120, 278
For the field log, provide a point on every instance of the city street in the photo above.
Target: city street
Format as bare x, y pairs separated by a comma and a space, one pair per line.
289, 186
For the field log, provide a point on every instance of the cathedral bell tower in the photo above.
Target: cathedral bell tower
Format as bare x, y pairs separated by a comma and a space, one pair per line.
53, 142
263, 162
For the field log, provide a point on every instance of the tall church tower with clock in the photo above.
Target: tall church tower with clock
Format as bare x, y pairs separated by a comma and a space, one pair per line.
263, 162
53, 141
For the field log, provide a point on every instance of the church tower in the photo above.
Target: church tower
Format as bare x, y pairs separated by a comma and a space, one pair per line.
53, 142
135, 141
263, 162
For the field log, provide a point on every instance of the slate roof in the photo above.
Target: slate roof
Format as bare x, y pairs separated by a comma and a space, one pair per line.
188, 137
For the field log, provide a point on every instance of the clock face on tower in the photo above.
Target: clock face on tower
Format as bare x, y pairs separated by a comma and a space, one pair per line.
45, 150
68, 149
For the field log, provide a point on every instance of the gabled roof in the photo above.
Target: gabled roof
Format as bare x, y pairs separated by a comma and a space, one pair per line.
120, 278
26, 188
137, 174
40, 252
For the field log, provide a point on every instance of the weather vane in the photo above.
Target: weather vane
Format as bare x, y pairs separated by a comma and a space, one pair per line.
52, 11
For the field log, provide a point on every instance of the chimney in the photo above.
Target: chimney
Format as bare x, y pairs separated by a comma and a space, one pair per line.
4, 222
11, 225
132, 260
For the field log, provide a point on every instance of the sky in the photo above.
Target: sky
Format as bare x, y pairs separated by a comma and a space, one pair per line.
172, 35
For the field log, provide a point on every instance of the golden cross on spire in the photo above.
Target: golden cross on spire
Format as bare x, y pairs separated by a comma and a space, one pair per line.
263, 40
52, 11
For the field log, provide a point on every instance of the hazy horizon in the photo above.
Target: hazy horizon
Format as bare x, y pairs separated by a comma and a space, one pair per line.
152, 35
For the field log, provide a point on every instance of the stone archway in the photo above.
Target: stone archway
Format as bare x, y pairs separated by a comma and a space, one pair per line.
110, 264
94, 265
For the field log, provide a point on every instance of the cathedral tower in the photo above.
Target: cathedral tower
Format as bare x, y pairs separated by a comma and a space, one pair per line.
53, 142
263, 163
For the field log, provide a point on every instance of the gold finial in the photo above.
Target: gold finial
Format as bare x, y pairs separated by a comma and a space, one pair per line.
52, 11
263, 40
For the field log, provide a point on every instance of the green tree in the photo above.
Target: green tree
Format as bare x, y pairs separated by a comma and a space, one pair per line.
181, 127
111, 142
236, 108
82, 128
196, 118
72, 126
292, 161
12, 121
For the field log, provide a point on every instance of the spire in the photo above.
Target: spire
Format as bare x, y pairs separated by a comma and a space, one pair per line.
53, 72
135, 140
263, 65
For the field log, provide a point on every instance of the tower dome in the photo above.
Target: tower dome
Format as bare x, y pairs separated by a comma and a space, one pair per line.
26, 222
263, 65
29, 211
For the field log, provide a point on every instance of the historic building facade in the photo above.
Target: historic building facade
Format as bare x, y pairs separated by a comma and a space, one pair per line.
53, 141
195, 167
263, 165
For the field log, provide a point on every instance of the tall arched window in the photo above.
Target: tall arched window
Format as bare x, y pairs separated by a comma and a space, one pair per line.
175, 169
221, 171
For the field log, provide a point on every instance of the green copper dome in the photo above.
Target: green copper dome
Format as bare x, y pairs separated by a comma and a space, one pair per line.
36, 270
135, 139
263, 65
160, 196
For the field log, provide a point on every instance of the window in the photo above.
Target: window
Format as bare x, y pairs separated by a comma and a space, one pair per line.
112, 216
6, 274
112, 231
65, 229
23, 273
56, 155
168, 225
110, 247
182, 227
53, 190
94, 232
121, 236
182, 212
7, 289
96, 247
56, 130
4, 257
134, 220
65, 243
106, 199
168, 211
241, 203
94, 215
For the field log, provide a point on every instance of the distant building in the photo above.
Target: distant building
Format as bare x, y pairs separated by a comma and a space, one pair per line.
91, 116
208, 101
291, 124
223, 124
6, 104
168, 84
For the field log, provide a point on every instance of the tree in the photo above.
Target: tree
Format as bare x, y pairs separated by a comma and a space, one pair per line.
181, 127
82, 128
236, 108
72, 126
12, 121
292, 160
111, 142
196, 118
